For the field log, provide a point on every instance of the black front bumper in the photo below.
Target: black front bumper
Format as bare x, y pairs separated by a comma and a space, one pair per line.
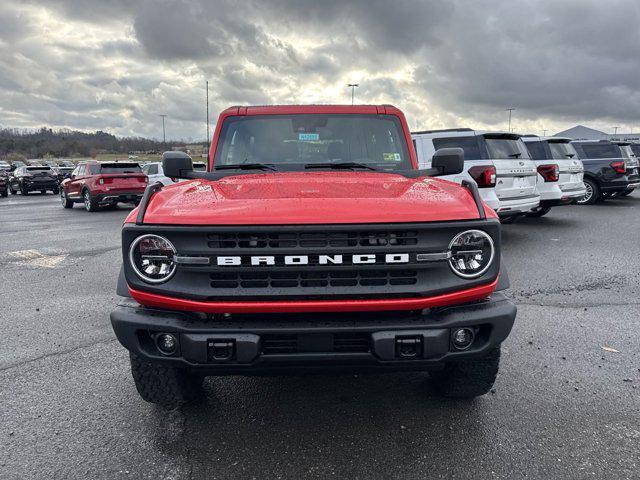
255, 344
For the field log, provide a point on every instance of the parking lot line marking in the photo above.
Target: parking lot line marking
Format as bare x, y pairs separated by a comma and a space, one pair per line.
35, 258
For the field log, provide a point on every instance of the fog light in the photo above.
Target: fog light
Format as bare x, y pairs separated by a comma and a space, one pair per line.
166, 343
462, 338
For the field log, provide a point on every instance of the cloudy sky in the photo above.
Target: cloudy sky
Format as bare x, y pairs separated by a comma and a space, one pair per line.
115, 65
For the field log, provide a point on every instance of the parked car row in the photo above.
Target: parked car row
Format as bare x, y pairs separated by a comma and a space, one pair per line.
528, 175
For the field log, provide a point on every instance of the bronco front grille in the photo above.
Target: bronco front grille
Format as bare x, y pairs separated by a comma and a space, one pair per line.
312, 239
310, 279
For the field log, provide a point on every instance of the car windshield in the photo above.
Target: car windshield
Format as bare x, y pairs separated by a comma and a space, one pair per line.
537, 150
506, 149
120, 168
296, 142
601, 150
562, 150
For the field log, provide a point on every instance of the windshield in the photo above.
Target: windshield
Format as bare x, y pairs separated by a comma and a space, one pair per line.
506, 149
562, 150
293, 142
120, 168
537, 150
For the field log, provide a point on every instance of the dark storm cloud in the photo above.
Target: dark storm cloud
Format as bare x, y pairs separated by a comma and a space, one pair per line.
118, 64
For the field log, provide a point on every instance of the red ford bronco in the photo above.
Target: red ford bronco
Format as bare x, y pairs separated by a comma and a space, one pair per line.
313, 243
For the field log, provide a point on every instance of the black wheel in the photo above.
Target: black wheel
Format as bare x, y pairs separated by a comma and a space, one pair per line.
628, 191
90, 204
5, 193
56, 191
23, 190
168, 387
66, 203
12, 191
468, 378
592, 194
42, 192
538, 212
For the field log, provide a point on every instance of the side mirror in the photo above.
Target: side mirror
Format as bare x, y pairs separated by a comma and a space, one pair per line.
176, 164
448, 161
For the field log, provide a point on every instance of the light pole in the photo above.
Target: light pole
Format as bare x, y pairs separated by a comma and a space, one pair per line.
353, 88
164, 136
510, 109
544, 132
207, 114
615, 130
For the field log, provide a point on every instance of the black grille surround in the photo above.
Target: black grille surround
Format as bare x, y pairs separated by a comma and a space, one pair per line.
312, 281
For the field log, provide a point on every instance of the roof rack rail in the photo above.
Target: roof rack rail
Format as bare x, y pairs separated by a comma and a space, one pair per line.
529, 135
445, 130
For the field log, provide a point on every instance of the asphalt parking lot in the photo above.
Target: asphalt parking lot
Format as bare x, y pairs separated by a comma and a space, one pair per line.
563, 407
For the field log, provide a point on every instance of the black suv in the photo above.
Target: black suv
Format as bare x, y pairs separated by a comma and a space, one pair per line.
606, 171
29, 179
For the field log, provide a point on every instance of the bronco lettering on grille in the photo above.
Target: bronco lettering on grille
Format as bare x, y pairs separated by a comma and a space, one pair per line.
259, 260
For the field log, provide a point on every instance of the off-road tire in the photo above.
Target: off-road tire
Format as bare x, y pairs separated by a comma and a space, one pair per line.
66, 203
468, 378
167, 387
593, 193
538, 212
90, 204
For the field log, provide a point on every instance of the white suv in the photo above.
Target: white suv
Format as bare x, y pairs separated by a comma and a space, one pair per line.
154, 171
498, 162
560, 172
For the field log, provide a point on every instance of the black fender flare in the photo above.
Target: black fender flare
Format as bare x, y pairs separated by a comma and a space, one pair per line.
122, 289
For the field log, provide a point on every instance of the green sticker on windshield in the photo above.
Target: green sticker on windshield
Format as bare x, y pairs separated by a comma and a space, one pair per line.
391, 157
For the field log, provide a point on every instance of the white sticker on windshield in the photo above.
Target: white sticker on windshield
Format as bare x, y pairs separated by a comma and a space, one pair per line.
308, 137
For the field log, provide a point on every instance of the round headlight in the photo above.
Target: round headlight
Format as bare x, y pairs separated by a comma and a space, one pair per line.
151, 257
471, 253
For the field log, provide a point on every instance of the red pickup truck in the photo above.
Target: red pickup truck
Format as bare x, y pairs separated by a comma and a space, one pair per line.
313, 243
99, 184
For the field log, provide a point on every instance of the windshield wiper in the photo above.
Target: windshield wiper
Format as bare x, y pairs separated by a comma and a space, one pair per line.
247, 166
340, 165
514, 155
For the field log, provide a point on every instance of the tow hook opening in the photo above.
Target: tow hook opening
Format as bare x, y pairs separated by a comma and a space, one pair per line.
409, 347
221, 350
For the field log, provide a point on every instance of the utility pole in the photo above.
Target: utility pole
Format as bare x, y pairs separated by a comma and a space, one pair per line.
353, 88
510, 109
544, 132
615, 130
164, 135
207, 115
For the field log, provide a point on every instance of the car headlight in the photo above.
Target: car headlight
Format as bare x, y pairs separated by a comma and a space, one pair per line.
471, 253
152, 258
